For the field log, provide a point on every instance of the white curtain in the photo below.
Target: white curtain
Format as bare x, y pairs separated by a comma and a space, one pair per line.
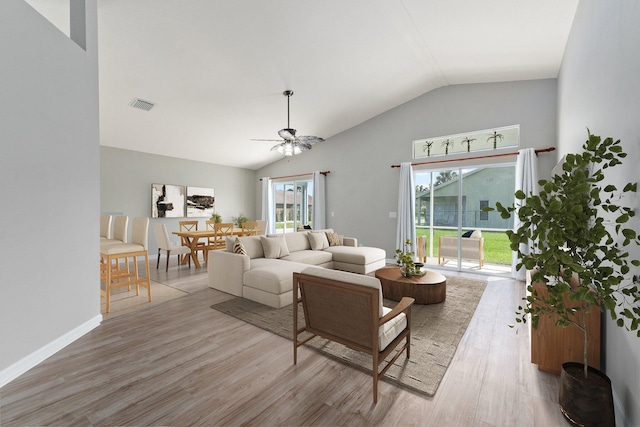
267, 205
319, 214
406, 208
527, 181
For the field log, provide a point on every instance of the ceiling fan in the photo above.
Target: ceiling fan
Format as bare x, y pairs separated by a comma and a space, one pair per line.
291, 144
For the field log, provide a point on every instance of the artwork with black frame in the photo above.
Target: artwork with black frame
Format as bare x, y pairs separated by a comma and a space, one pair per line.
167, 201
200, 202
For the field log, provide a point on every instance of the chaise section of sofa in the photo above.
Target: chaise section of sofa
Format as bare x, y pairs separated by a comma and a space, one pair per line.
266, 276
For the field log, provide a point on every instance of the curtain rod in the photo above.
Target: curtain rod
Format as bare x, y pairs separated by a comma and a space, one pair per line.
540, 150
300, 174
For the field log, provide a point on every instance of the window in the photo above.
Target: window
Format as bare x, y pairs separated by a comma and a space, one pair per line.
484, 216
293, 205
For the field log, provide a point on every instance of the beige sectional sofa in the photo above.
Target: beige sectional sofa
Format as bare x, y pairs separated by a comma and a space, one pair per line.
265, 272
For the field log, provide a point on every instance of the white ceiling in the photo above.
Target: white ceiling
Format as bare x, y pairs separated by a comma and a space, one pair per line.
216, 69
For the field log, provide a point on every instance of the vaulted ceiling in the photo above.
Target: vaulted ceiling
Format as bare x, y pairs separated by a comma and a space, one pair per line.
215, 70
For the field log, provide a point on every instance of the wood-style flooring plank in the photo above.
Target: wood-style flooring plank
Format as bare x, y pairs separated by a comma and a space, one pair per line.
180, 363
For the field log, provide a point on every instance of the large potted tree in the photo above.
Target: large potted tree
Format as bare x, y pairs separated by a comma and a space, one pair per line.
576, 231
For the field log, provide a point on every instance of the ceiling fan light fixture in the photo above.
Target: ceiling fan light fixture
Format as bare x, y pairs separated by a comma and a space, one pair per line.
292, 144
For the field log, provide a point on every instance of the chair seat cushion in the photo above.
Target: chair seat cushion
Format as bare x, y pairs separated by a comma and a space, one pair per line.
272, 275
390, 330
120, 249
310, 257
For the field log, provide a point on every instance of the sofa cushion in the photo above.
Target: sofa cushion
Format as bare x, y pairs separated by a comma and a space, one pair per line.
360, 255
317, 240
272, 275
310, 257
297, 241
274, 247
252, 245
477, 234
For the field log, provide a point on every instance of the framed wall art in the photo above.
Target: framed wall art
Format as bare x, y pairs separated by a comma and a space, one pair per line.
200, 202
167, 201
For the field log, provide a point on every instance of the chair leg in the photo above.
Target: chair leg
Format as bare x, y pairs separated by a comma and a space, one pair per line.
158, 263
169, 256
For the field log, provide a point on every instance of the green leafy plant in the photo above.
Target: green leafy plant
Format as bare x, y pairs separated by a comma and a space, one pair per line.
238, 220
217, 218
576, 228
404, 259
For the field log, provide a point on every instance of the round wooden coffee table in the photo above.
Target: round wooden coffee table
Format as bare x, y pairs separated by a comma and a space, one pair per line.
428, 289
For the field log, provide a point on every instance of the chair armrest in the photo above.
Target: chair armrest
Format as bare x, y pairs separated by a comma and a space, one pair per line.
349, 241
404, 304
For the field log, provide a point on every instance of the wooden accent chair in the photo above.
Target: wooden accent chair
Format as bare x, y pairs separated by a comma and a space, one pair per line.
249, 228
165, 246
347, 308
115, 269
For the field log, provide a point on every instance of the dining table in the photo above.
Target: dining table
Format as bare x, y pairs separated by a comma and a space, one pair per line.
192, 237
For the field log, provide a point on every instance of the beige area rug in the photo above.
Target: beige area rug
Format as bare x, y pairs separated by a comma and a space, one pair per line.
436, 331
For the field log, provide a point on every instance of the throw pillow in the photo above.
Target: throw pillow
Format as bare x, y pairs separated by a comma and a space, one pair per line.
318, 241
238, 247
333, 238
274, 247
468, 233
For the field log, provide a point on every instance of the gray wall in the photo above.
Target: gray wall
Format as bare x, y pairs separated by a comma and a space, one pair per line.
49, 168
126, 177
362, 188
599, 88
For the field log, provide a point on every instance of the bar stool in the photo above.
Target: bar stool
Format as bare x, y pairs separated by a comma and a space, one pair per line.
115, 269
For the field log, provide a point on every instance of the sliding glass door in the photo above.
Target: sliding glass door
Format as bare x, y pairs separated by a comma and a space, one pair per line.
450, 222
293, 205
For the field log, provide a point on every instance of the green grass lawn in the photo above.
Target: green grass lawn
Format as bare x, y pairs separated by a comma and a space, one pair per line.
496, 244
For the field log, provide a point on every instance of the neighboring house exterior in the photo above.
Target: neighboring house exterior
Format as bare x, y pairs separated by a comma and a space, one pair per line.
480, 188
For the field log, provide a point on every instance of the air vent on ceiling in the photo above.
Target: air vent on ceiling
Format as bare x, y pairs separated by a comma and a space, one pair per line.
141, 104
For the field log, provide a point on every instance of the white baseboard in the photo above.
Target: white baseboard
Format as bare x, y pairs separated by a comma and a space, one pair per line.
20, 367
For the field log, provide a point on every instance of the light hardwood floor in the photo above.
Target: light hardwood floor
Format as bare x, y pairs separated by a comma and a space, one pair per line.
178, 362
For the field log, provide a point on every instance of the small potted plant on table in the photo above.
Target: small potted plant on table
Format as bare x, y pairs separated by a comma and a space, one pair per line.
404, 259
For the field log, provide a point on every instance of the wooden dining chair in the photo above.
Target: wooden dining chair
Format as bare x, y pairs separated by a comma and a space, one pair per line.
192, 225
250, 228
223, 229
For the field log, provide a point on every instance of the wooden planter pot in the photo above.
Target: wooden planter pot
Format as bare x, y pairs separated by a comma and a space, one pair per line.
586, 402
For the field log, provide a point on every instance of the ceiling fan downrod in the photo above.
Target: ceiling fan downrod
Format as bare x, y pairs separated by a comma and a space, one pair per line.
288, 94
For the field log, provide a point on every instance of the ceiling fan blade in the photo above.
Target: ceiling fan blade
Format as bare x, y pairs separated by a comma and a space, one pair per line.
304, 145
270, 140
310, 139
